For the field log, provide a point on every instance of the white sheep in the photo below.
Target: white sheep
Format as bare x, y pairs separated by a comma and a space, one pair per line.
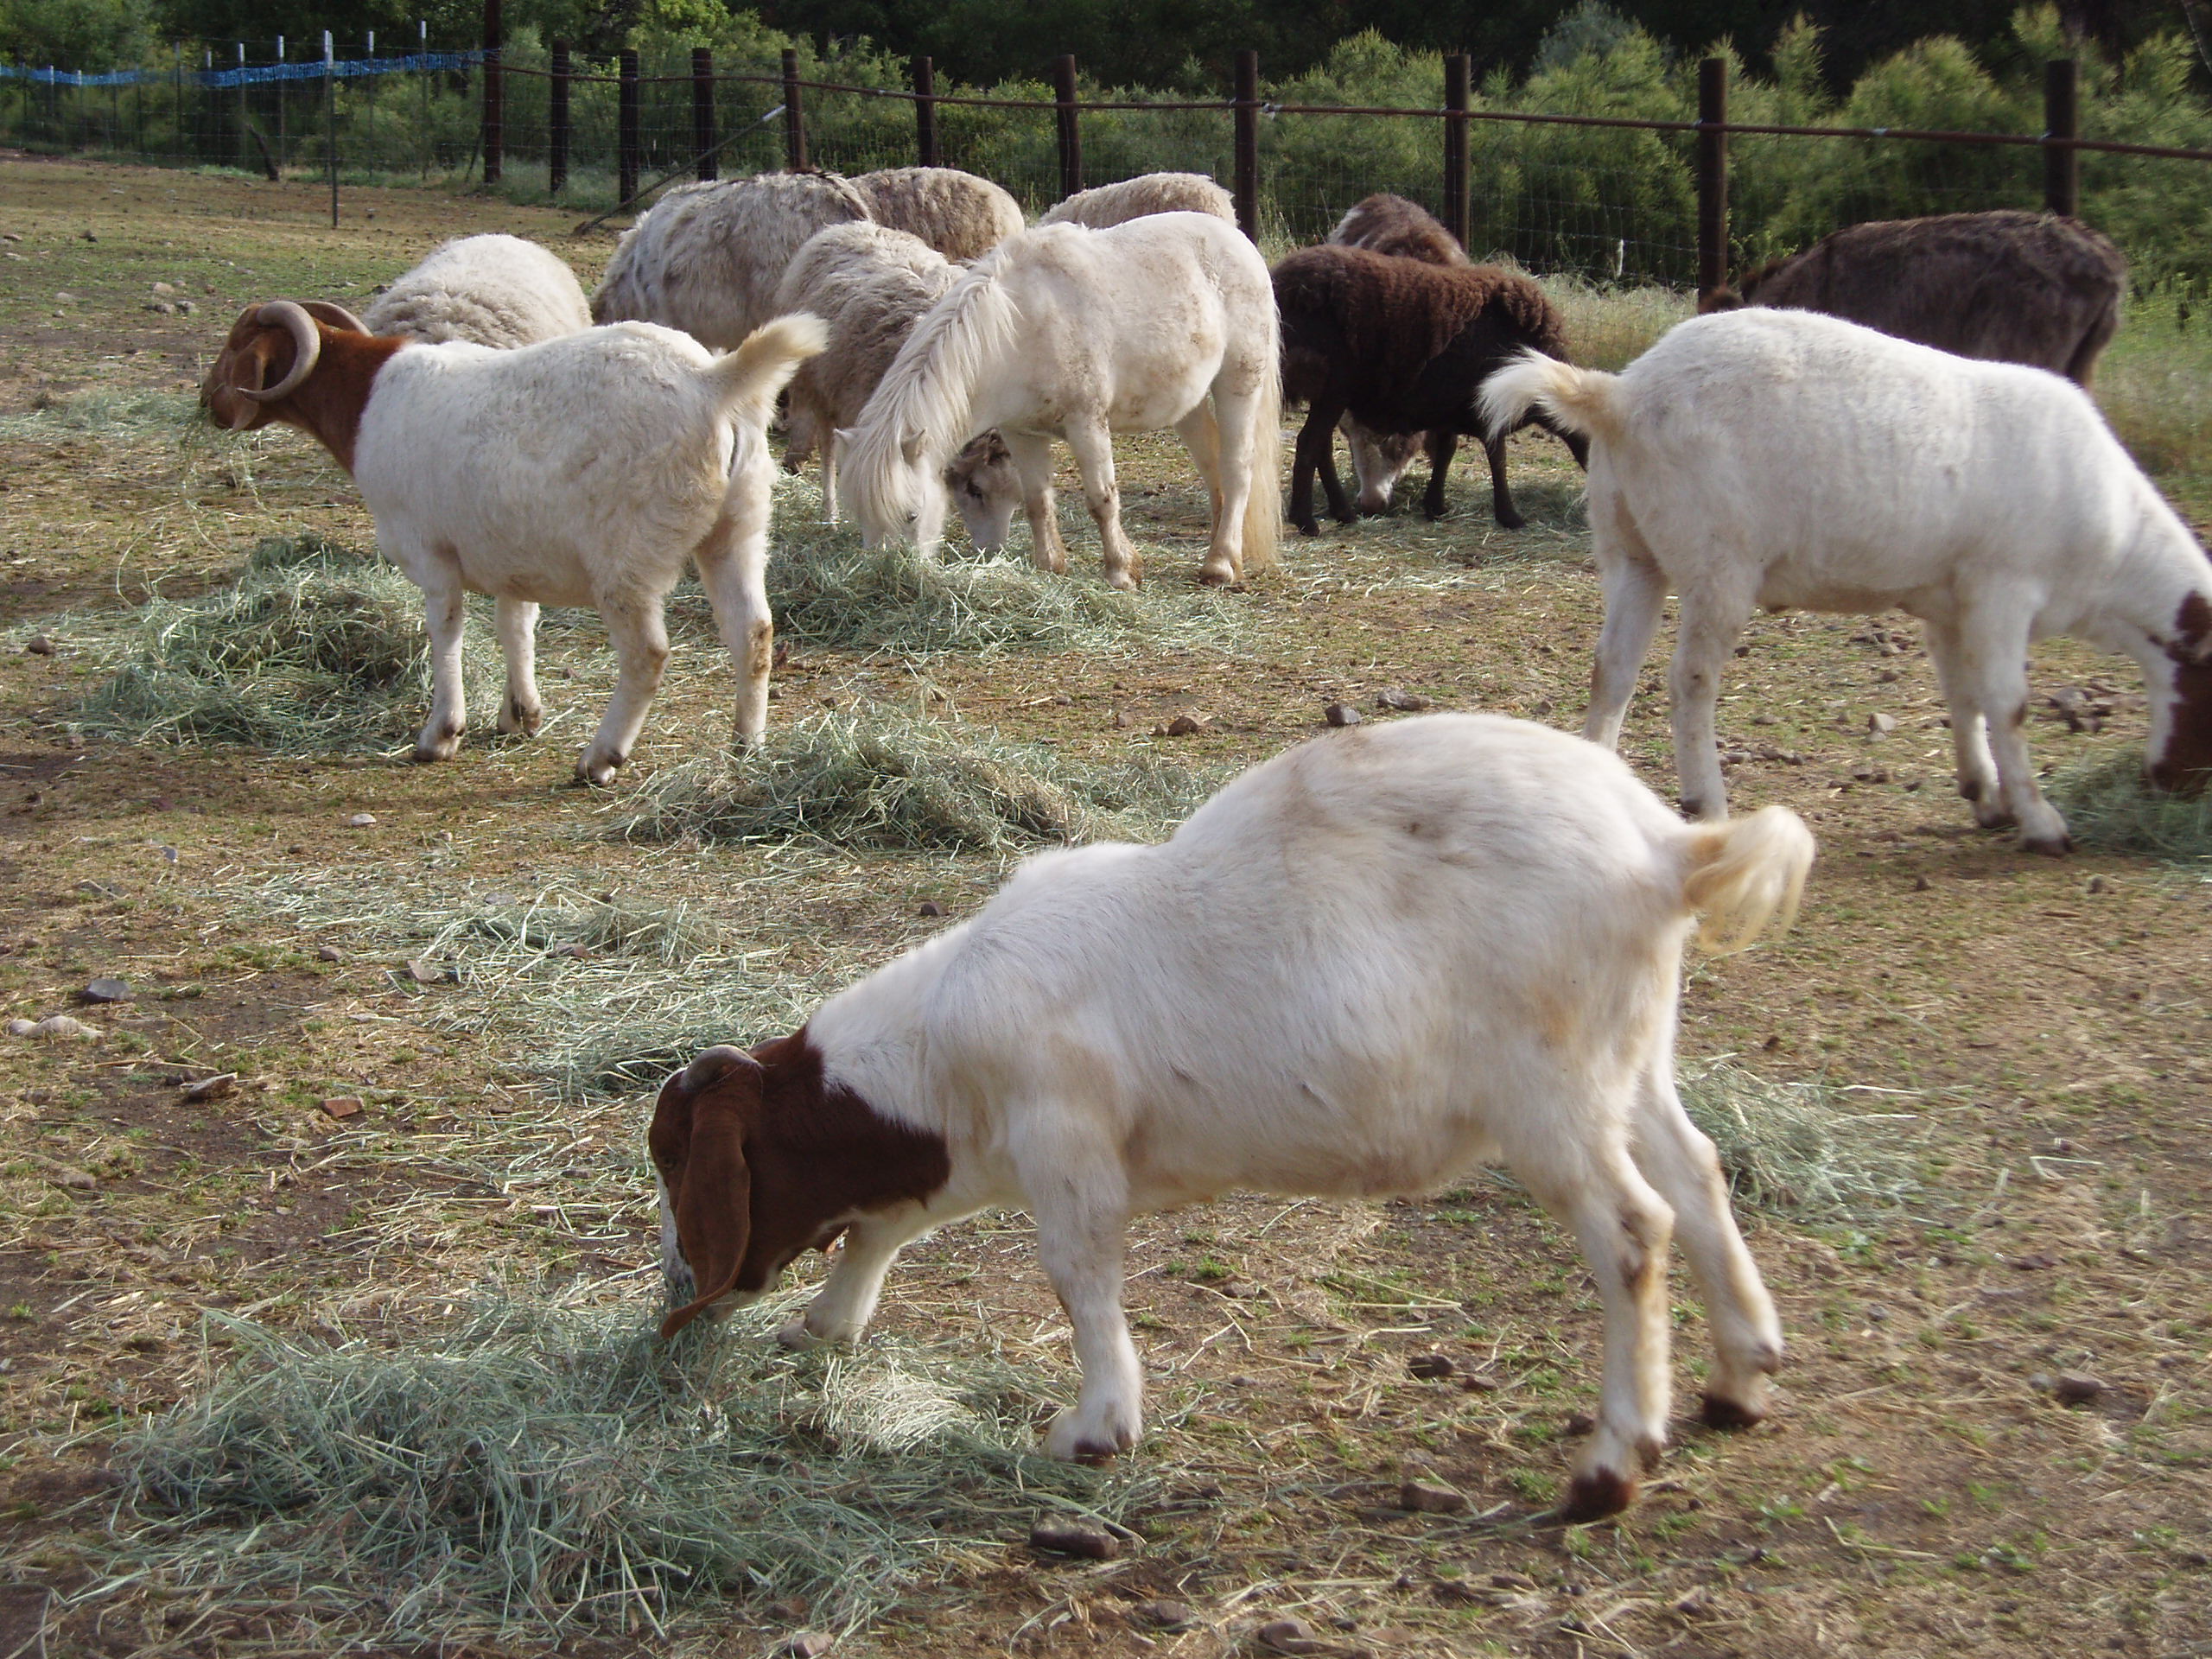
495, 291
1386, 956
1148, 193
960, 215
585, 470
1791, 461
707, 257
870, 285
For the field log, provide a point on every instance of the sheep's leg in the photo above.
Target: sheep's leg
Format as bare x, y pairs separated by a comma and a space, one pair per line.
1501, 492
518, 625
1623, 1227
1093, 444
1705, 637
1078, 1194
828, 473
639, 634
1636, 594
1031, 454
732, 564
443, 609
1441, 444
1977, 769
1316, 439
1993, 665
1678, 1160
1332, 487
846, 1302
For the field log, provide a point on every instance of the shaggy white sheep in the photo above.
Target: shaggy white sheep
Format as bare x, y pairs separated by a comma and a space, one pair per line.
1148, 193
960, 215
494, 290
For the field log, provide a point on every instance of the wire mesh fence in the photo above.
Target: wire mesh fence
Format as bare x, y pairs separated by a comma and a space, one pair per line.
1614, 199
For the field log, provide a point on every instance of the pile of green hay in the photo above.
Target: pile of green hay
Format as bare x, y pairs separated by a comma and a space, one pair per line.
532, 1472
312, 649
1795, 1148
888, 780
2110, 807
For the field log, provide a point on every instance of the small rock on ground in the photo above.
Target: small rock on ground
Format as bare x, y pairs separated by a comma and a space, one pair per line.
1288, 1636
2071, 1388
108, 990
809, 1644
1428, 1367
360, 820
343, 1106
38, 646
1164, 1615
1074, 1538
1341, 714
1431, 1498
1397, 697
213, 1088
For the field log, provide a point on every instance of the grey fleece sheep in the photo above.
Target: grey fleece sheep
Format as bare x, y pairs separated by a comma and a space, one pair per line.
493, 291
1148, 193
960, 215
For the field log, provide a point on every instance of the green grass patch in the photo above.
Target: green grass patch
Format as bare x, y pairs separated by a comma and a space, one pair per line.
313, 650
1796, 1148
887, 780
532, 1472
2111, 807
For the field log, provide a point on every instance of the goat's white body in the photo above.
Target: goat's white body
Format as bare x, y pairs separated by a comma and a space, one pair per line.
1148, 193
707, 257
1362, 968
1787, 460
1070, 332
585, 470
494, 290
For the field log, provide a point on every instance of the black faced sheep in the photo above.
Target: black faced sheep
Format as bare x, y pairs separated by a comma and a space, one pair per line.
2010, 286
1402, 346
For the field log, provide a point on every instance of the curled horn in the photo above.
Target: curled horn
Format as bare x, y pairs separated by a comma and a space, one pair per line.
336, 315
306, 337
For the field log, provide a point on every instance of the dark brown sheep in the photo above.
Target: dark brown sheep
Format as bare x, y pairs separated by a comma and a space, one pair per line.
1402, 346
1386, 224
2010, 286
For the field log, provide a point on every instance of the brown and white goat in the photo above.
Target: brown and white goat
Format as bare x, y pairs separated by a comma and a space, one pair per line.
1378, 959
2009, 286
586, 470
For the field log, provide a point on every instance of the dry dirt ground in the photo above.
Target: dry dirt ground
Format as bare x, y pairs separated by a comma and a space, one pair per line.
2043, 1023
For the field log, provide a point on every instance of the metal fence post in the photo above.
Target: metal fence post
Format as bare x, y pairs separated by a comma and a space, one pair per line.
556, 121
1071, 131
1712, 173
926, 150
794, 115
702, 111
1246, 97
2062, 123
494, 100
1458, 75
626, 133
245, 116
330, 119
276, 172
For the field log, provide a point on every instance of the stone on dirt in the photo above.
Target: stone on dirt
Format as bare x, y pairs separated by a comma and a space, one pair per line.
1288, 1636
1074, 1538
1164, 1615
108, 990
1431, 1498
1429, 1367
1341, 714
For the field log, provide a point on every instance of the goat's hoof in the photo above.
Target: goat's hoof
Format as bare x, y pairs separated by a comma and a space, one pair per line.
2055, 846
1595, 1495
596, 771
798, 1337
1717, 1412
1073, 1442
516, 719
429, 749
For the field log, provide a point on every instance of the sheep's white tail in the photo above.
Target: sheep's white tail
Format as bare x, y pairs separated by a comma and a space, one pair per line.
1743, 874
746, 380
1587, 402
918, 413
1264, 506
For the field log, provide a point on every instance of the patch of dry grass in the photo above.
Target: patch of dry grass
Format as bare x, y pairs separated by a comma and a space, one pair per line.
2111, 807
1797, 1150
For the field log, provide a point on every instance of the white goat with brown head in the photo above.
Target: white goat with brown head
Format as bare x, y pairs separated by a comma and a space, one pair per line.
586, 470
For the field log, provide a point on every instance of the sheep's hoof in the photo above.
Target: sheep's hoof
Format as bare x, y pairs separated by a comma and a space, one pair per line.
2055, 846
1071, 1443
515, 718
798, 1337
1594, 1496
1718, 1413
1307, 526
430, 747
1505, 520
596, 771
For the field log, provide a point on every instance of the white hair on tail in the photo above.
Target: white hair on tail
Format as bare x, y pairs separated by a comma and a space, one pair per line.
890, 463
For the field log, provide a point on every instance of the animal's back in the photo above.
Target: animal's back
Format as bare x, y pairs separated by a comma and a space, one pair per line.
1387, 223
1408, 910
959, 215
2008, 286
1925, 459
493, 290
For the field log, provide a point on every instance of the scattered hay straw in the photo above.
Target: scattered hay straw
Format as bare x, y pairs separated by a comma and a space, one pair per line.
2111, 807
1795, 1148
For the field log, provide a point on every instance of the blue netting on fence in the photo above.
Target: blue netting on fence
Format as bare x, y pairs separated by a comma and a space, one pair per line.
249, 74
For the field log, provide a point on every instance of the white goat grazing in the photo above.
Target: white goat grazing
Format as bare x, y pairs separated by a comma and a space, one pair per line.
870, 285
960, 215
495, 291
1791, 461
1381, 958
583, 471
707, 257
1148, 193
1067, 332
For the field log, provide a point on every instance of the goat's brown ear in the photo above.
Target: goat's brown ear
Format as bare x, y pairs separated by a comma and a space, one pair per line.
713, 1198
